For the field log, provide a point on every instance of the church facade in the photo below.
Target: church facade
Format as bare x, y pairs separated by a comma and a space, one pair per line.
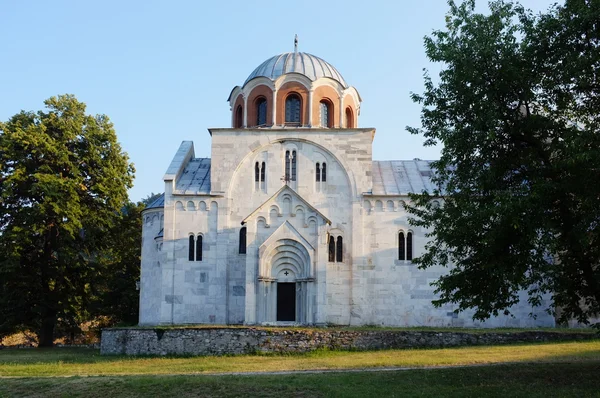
291, 221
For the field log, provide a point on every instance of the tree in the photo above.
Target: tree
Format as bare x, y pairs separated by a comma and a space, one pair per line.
116, 296
516, 108
63, 179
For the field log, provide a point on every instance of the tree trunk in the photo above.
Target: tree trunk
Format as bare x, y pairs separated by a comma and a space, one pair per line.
46, 333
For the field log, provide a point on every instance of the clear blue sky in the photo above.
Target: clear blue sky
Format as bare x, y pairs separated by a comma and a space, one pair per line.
162, 70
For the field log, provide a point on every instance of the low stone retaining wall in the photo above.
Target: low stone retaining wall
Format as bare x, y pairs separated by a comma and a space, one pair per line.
220, 341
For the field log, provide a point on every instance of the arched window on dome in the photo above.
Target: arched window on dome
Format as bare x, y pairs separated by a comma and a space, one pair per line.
349, 118
239, 117
326, 113
292, 109
261, 111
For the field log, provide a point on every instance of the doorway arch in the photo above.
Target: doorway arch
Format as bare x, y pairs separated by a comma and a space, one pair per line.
286, 285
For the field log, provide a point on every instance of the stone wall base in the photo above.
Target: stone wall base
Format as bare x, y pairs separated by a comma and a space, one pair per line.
221, 341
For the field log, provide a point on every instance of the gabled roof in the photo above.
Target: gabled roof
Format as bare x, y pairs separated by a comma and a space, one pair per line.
194, 178
272, 198
401, 177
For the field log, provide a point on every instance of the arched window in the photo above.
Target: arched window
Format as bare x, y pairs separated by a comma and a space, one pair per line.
262, 172
349, 118
409, 246
199, 248
287, 165
292, 109
318, 172
239, 117
339, 250
290, 166
261, 112
191, 248
325, 114
243, 240
401, 246
293, 165
331, 249
256, 172
324, 172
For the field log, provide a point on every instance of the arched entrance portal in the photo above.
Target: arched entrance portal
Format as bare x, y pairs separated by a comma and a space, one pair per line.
285, 284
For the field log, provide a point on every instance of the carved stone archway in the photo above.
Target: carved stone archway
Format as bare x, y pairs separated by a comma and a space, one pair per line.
286, 261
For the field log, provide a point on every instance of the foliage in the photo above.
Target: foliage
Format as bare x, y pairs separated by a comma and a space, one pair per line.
63, 179
116, 295
516, 110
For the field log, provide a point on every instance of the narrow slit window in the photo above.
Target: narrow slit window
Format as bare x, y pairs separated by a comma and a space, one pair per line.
262, 172
409, 246
331, 249
199, 248
256, 172
339, 250
325, 114
287, 165
239, 115
324, 172
243, 240
318, 172
293, 166
191, 248
401, 246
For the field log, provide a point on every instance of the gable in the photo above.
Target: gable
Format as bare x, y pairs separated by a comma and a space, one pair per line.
280, 196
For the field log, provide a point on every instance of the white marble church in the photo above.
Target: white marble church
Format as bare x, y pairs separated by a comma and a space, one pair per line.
291, 221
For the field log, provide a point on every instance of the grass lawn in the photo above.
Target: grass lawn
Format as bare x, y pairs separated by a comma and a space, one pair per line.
580, 379
89, 362
526, 370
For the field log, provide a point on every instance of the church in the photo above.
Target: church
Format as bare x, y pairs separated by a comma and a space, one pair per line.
291, 221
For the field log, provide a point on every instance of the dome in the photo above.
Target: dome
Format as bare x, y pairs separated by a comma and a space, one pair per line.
307, 64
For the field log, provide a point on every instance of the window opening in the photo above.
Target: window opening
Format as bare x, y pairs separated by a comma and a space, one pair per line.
287, 166
331, 249
199, 248
318, 172
349, 119
339, 251
409, 246
325, 114
401, 247
239, 115
324, 172
243, 240
262, 172
191, 248
293, 166
292, 109
261, 112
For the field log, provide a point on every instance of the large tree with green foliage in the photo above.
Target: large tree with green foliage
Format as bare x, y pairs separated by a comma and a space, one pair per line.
63, 182
516, 110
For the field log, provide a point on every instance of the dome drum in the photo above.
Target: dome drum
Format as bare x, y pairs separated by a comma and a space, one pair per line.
295, 90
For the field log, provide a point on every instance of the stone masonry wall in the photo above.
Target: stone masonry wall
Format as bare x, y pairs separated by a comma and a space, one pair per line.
221, 341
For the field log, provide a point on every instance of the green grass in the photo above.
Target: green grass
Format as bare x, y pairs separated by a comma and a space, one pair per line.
531, 381
86, 362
